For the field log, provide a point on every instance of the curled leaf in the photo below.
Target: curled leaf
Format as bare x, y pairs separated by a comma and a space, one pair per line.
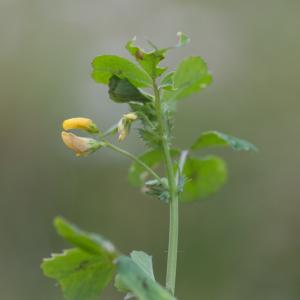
122, 91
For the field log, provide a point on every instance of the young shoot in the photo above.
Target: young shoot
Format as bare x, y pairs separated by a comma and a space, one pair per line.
150, 93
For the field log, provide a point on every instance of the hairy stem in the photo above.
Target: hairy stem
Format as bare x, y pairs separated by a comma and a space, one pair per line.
133, 157
174, 212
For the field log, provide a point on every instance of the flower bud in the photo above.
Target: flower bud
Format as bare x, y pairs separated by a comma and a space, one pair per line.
130, 116
123, 130
80, 123
80, 145
125, 124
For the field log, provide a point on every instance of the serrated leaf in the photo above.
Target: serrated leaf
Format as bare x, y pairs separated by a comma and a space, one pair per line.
204, 176
122, 91
216, 138
148, 60
105, 66
89, 242
137, 174
136, 280
191, 76
81, 275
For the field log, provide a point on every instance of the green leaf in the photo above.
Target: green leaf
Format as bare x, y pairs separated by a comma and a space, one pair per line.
137, 174
182, 39
136, 280
89, 242
105, 66
144, 261
81, 275
215, 138
204, 176
122, 91
167, 82
191, 76
148, 60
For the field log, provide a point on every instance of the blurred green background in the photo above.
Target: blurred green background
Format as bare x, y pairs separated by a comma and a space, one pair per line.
242, 243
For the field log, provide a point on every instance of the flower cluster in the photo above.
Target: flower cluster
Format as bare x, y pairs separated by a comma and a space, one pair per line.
83, 146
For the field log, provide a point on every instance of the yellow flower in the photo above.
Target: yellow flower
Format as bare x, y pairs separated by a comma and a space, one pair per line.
123, 130
80, 123
130, 116
125, 124
80, 145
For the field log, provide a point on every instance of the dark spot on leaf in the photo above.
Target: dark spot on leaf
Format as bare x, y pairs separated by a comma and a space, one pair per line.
83, 265
145, 285
139, 54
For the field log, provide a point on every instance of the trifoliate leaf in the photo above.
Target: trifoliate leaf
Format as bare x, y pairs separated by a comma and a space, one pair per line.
148, 60
122, 91
89, 242
204, 176
133, 278
191, 76
81, 275
215, 138
137, 174
105, 66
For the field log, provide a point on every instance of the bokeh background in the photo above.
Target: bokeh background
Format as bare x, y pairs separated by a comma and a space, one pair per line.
242, 243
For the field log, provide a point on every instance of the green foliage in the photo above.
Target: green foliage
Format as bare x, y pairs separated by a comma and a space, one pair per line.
148, 60
89, 242
86, 269
191, 76
216, 138
122, 91
204, 176
134, 278
167, 82
105, 66
144, 262
81, 275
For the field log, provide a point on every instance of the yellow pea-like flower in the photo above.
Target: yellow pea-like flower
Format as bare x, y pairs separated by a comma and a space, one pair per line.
130, 116
80, 123
80, 145
123, 130
125, 124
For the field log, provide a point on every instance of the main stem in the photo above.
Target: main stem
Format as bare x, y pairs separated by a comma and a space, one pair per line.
174, 212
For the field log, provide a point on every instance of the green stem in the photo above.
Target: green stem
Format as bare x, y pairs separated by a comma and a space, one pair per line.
133, 157
174, 211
